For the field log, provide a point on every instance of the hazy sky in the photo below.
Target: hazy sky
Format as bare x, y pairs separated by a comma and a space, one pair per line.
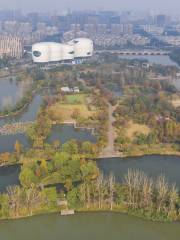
172, 6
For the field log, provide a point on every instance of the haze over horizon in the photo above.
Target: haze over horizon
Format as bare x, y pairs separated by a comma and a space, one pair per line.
170, 6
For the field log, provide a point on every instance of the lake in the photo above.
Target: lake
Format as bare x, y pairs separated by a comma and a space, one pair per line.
163, 60
88, 226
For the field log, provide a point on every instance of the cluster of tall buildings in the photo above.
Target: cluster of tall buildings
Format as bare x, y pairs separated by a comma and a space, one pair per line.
11, 47
104, 28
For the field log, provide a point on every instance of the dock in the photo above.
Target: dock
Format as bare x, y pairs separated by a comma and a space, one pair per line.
67, 212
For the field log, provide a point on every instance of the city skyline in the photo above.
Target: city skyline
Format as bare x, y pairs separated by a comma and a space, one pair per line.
171, 6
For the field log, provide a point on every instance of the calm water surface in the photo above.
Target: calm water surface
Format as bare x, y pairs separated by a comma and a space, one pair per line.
163, 60
94, 226
9, 176
64, 133
10, 92
153, 166
28, 115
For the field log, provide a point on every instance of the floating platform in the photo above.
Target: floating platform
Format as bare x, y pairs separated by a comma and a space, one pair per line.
67, 212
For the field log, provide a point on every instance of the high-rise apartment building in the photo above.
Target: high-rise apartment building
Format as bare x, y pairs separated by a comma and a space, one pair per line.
11, 47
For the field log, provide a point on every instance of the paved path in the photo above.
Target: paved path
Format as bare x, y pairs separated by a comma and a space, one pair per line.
109, 151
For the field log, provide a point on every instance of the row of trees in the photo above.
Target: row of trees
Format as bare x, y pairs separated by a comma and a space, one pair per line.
138, 194
19, 201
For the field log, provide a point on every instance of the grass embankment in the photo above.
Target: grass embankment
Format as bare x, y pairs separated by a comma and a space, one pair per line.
134, 128
134, 150
145, 150
63, 111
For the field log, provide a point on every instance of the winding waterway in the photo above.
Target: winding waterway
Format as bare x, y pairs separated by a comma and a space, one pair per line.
29, 114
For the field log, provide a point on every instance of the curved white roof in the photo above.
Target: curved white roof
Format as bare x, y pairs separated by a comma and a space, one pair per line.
44, 52
83, 47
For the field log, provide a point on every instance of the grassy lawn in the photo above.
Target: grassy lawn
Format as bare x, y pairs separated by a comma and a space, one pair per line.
134, 128
62, 111
76, 99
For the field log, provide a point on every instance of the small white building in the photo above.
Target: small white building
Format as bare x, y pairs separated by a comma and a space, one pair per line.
66, 90
70, 90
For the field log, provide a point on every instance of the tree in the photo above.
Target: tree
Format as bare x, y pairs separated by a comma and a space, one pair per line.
72, 198
60, 159
44, 167
111, 183
5, 157
70, 147
15, 200
49, 196
4, 205
76, 114
87, 148
33, 199
56, 144
18, 147
27, 177
89, 171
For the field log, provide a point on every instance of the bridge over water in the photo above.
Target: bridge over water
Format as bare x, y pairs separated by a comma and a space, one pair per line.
136, 52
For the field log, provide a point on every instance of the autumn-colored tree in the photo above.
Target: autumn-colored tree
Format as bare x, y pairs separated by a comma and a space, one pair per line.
76, 114
5, 157
18, 147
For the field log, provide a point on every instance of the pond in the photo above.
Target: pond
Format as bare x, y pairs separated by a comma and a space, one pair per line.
7, 142
64, 133
88, 226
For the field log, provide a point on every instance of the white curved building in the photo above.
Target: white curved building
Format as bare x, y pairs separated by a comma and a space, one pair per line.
41, 52
45, 52
83, 47
67, 52
55, 52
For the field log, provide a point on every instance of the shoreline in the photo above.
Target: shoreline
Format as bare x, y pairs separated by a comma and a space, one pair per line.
91, 211
23, 108
123, 157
